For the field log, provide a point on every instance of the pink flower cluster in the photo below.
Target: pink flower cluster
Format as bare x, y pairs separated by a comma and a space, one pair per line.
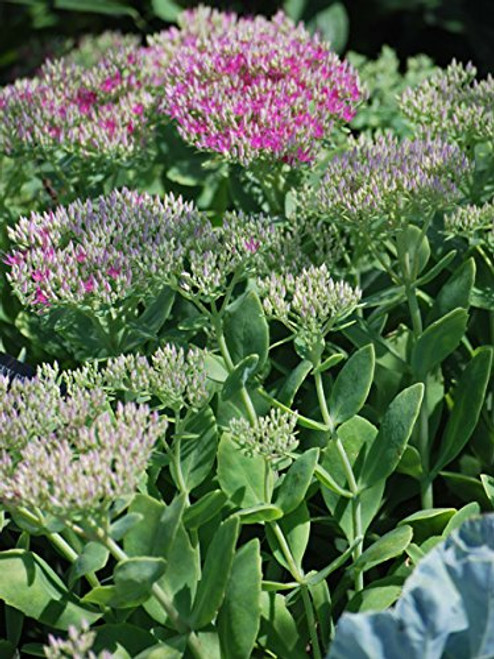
250, 88
99, 109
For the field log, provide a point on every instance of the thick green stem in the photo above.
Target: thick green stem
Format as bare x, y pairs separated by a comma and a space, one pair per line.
350, 476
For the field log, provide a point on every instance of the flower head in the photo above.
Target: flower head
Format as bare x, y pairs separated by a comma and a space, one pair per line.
85, 110
383, 180
273, 437
78, 471
177, 377
310, 302
100, 252
251, 88
472, 222
453, 104
77, 645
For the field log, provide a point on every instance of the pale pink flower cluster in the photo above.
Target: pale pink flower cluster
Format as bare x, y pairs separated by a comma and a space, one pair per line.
97, 110
252, 88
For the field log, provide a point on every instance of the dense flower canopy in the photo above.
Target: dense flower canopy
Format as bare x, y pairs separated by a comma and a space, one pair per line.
250, 88
102, 252
95, 109
453, 103
383, 178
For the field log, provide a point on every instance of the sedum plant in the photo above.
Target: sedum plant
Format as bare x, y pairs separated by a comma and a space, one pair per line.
264, 349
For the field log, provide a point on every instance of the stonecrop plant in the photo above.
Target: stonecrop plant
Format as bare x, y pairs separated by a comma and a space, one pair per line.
255, 286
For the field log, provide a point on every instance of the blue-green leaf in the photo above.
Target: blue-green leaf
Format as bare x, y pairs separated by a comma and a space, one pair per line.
352, 385
438, 341
246, 329
216, 573
396, 427
240, 614
468, 400
29, 584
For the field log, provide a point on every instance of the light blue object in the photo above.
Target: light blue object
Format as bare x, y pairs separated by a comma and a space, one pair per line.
446, 610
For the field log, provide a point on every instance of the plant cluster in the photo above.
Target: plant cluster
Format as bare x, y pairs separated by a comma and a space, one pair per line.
263, 396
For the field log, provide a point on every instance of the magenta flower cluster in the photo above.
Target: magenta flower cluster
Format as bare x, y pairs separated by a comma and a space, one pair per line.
94, 110
250, 88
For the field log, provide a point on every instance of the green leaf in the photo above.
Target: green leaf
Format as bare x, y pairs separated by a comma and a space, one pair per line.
414, 250
216, 573
438, 341
197, 449
410, 463
321, 599
296, 530
93, 557
204, 509
239, 376
181, 576
264, 512
294, 8
134, 579
279, 633
470, 510
456, 291
388, 546
431, 274
293, 382
352, 385
123, 525
153, 535
357, 435
378, 596
333, 24
167, 10
241, 477
468, 400
396, 427
30, 585
149, 323
488, 484
246, 329
296, 481
429, 522
240, 614
328, 363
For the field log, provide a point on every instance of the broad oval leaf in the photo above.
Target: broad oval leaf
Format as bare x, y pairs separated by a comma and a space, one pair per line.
388, 546
296, 482
241, 477
396, 427
264, 512
215, 575
134, 579
438, 341
246, 329
29, 584
240, 614
352, 385
468, 400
